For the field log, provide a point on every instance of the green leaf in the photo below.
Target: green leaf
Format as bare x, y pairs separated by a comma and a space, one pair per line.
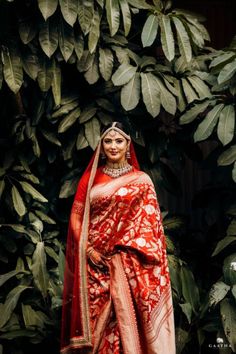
56, 83
12, 69
10, 304
113, 15
51, 137
223, 243
130, 93
48, 37
66, 108
34, 318
18, 202
66, 40
226, 124
151, 93
196, 36
140, 4
227, 72
234, 172
123, 74
220, 59
189, 92
126, 15
68, 188
27, 31
217, 293
149, 31
81, 141
168, 101
5, 277
189, 288
69, 120
193, 112
200, 87
183, 39
92, 74
206, 127
1, 75
233, 290
167, 38
50, 251
31, 65
61, 265
228, 316
79, 45
105, 63
39, 269
227, 157
33, 192
47, 7
69, 10
187, 310
87, 113
94, 32
85, 15
45, 75
44, 217
92, 132
2, 187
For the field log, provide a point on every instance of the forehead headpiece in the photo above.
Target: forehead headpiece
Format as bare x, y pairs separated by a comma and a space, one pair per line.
116, 129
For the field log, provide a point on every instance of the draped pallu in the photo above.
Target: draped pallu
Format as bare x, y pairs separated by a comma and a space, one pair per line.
127, 306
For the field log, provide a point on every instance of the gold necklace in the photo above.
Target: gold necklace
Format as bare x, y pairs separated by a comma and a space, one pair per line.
115, 170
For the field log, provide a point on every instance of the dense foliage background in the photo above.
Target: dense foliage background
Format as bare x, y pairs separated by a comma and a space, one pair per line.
69, 67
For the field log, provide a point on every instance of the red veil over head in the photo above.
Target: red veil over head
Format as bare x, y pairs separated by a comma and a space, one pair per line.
75, 328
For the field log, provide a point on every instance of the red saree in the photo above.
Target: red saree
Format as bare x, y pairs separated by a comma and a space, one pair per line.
126, 307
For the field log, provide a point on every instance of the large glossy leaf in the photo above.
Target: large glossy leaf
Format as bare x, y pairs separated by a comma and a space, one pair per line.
92, 132
45, 75
130, 93
200, 87
47, 7
79, 45
56, 83
189, 288
149, 31
196, 36
189, 92
5, 277
222, 244
92, 74
229, 269
85, 14
66, 108
2, 187
12, 69
226, 125
234, 172
1, 74
66, 40
126, 15
10, 303
217, 293
206, 127
123, 74
183, 39
228, 156
34, 318
168, 100
69, 10
94, 32
150, 93
81, 141
18, 202
69, 120
227, 72
228, 316
28, 188
167, 38
140, 4
39, 269
105, 63
221, 59
87, 113
113, 15
187, 310
193, 112
31, 65
27, 31
48, 37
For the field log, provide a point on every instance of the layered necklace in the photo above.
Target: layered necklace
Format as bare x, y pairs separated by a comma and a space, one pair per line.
115, 170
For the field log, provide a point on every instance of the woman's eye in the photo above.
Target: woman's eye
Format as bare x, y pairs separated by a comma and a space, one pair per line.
119, 141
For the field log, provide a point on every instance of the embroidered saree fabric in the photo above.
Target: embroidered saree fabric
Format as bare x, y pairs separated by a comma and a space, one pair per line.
125, 307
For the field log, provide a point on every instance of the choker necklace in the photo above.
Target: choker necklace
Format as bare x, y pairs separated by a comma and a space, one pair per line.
115, 170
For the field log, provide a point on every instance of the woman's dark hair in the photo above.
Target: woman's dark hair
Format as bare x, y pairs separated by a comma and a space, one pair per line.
119, 125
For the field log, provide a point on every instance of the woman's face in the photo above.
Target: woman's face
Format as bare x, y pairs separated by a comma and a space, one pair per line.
115, 146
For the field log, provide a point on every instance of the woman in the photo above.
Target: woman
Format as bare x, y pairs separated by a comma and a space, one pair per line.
117, 294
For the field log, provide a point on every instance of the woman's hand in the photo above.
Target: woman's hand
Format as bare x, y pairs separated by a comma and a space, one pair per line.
97, 259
